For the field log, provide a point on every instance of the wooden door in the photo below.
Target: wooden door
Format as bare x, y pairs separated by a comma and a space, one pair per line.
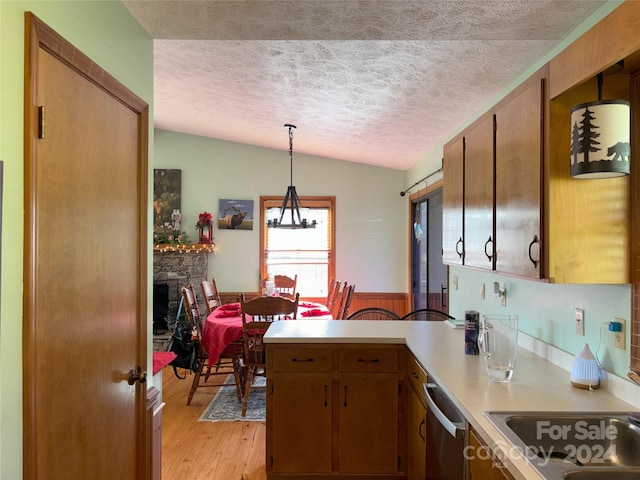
368, 425
453, 202
85, 269
479, 234
300, 425
416, 436
519, 150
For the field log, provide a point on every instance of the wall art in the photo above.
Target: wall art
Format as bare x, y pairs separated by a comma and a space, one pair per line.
235, 215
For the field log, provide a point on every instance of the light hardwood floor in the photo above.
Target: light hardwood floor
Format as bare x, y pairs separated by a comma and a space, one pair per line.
206, 450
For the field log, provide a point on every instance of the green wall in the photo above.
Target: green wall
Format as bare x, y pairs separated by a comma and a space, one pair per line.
547, 311
107, 33
371, 216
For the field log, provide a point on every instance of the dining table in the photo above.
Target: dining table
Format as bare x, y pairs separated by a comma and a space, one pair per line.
223, 325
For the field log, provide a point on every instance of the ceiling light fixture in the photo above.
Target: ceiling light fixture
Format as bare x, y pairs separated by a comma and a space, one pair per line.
291, 201
600, 134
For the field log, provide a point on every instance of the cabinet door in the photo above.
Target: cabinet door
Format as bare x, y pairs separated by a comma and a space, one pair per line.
481, 465
299, 427
416, 437
368, 416
452, 202
479, 234
519, 153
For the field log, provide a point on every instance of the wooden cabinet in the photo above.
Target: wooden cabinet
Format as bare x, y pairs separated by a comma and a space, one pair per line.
416, 421
519, 154
482, 464
468, 198
300, 403
547, 224
479, 174
453, 202
334, 411
502, 158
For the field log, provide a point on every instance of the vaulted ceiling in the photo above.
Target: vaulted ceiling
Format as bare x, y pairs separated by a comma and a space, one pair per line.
379, 82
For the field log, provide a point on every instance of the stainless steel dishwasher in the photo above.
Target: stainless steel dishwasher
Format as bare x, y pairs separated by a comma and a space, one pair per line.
445, 433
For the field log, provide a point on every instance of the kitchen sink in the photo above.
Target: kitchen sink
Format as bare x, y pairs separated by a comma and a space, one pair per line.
573, 445
600, 474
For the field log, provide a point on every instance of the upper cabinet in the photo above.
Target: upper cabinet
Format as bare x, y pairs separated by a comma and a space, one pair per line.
479, 174
519, 155
452, 203
522, 212
502, 155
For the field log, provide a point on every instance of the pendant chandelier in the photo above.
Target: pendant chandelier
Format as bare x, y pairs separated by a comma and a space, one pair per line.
291, 201
600, 134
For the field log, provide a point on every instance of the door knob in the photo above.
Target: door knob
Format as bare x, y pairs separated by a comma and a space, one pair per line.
137, 376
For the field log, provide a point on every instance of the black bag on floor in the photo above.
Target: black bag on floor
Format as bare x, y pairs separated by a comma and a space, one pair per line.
184, 343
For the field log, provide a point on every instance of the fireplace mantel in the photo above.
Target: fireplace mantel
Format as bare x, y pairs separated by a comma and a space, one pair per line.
183, 248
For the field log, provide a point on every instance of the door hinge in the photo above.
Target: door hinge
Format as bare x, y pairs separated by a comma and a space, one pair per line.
41, 121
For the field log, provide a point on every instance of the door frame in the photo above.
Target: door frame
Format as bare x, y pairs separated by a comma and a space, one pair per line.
38, 36
415, 197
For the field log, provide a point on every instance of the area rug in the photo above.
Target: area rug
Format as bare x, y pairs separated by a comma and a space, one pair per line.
225, 406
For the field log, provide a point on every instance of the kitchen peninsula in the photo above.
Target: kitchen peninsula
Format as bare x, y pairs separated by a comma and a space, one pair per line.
537, 385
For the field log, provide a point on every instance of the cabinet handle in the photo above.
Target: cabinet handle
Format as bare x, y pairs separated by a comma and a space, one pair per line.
423, 422
345, 395
533, 242
302, 359
415, 375
326, 389
490, 241
460, 251
373, 360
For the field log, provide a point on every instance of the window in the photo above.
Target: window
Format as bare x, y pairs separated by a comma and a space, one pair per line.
306, 252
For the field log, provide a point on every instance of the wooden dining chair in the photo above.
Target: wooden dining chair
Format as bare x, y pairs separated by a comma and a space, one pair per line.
285, 285
211, 302
427, 314
345, 302
332, 294
334, 306
373, 313
257, 315
211, 295
204, 368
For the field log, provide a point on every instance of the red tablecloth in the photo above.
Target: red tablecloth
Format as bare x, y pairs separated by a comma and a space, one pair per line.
224, 325
161, 360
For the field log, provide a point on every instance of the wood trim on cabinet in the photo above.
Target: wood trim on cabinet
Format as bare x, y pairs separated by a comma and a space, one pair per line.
612, 39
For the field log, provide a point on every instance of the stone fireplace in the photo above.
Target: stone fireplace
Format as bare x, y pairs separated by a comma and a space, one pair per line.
173, 270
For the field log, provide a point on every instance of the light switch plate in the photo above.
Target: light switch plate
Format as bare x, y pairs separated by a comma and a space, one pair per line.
482, 291
580, 321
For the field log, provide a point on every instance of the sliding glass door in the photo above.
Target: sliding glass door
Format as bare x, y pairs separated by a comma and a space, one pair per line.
428, 273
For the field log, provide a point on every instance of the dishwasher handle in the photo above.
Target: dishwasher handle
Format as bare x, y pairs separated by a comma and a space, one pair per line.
455, 429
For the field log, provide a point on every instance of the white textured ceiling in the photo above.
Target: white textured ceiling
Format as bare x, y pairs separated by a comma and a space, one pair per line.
379, 82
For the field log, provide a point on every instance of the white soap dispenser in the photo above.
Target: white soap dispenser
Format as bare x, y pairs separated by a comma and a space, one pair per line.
585, 372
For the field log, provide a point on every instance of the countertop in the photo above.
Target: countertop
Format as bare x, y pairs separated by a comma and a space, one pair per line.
537, 384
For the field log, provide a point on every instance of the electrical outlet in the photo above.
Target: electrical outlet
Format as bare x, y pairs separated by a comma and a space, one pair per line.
482, 291
619, 338
580, 321
455, 282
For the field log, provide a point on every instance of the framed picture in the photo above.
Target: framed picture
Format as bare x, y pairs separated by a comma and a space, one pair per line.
167, 199
235, 215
